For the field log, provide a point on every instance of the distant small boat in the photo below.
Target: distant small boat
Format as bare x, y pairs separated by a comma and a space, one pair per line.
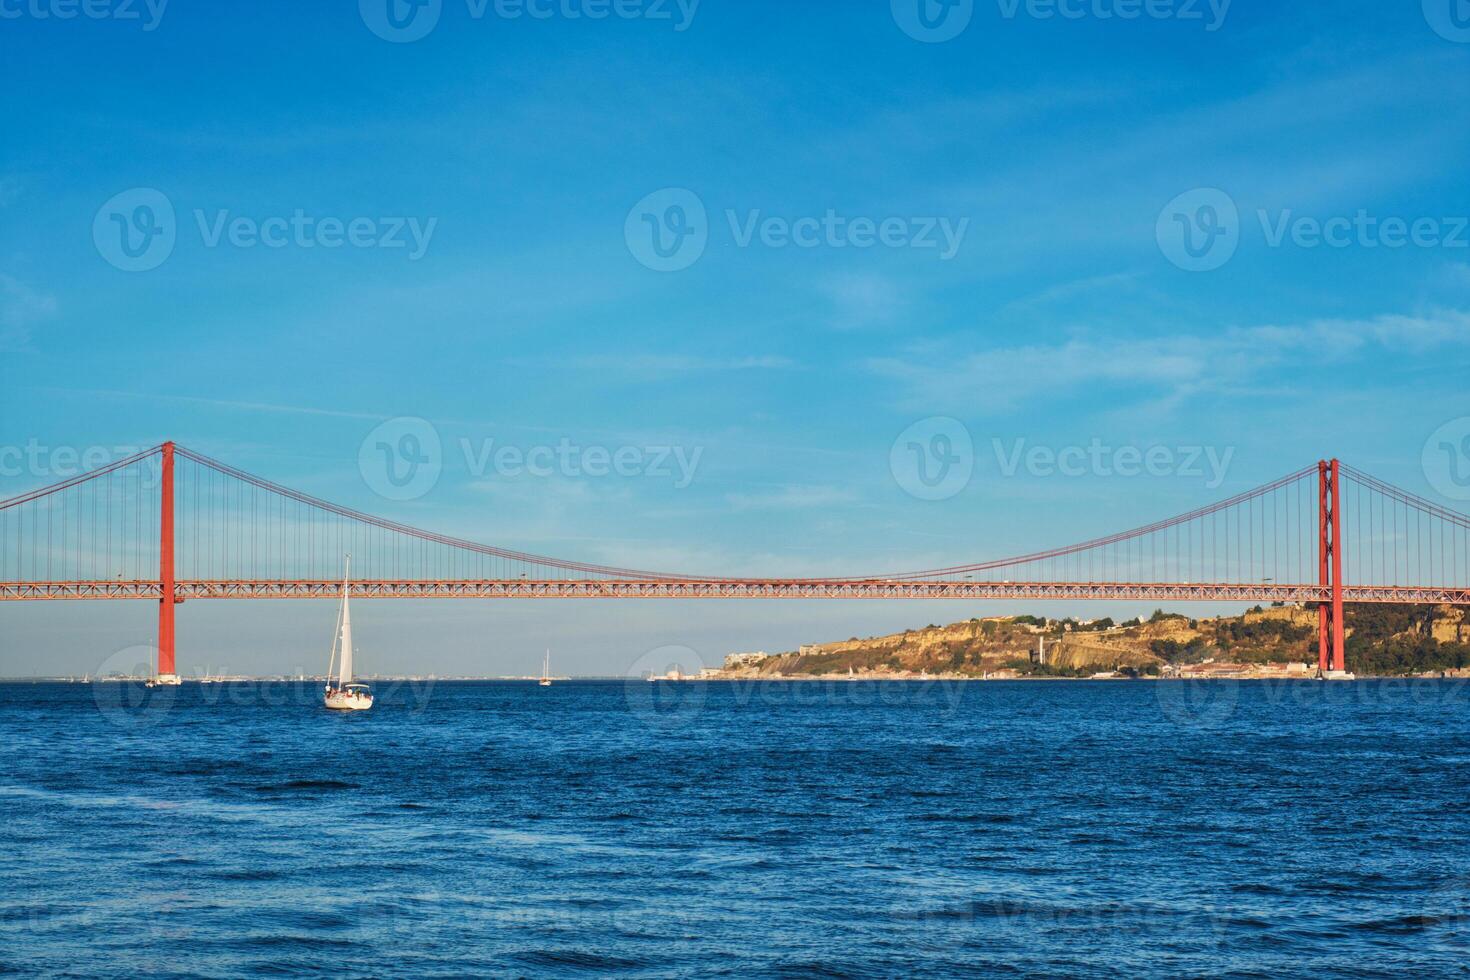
546, 671
345, 696
163, 680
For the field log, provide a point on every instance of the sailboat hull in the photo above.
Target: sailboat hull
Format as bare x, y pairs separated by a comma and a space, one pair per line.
347, 701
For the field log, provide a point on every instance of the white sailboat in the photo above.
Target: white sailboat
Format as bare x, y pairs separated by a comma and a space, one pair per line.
546, 671
345, 695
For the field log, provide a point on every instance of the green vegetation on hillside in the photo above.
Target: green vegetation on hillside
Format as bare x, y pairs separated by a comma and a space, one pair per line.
1382, 640
1174, 652
1399, 639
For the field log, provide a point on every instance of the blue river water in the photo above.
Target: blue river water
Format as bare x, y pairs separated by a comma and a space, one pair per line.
721, 829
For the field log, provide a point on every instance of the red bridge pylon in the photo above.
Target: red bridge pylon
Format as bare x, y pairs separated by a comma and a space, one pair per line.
168, 597
1330, 654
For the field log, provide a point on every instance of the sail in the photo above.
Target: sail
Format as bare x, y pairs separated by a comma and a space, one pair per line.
345, 676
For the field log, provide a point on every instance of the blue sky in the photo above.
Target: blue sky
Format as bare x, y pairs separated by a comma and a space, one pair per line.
1065, 156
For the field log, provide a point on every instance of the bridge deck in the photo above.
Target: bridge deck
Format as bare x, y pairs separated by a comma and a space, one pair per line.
731, 589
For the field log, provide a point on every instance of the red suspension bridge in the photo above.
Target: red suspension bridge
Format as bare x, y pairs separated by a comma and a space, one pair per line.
169, 524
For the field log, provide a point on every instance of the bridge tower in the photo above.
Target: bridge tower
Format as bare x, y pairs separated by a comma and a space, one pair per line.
1330, 655
168, 596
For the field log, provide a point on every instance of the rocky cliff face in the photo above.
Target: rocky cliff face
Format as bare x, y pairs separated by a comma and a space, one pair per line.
968, 647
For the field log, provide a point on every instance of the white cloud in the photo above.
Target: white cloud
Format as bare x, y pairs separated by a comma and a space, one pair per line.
1458, 273
1005, 378
1293, 142
1169, 369
1393, 330
203, 402
791, 497
1085, 288
862, 300
651, 366
21, 308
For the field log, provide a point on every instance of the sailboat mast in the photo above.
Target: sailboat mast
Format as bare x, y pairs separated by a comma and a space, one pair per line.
345, 677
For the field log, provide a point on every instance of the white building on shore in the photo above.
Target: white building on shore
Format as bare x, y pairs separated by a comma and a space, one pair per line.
740, 661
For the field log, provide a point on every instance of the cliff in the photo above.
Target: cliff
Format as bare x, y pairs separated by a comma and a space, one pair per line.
1423, 638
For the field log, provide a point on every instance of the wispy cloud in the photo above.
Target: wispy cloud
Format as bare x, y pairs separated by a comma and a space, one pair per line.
222, 403
1291, 142
1458, 273
862, 299
1168, 369
1066, 292
21, 309
1006, 378
1415, 332
793, 497
647, 366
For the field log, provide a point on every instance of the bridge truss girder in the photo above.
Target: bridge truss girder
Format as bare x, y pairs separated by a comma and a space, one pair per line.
733, 589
